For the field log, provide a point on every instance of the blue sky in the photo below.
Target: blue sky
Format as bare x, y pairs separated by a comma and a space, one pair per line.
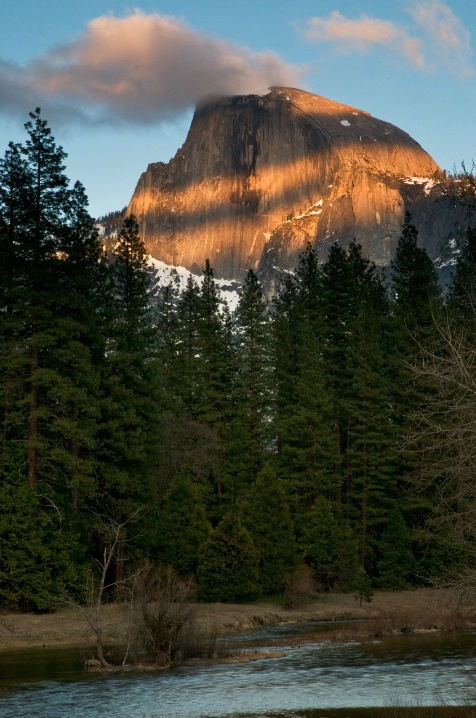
118, 82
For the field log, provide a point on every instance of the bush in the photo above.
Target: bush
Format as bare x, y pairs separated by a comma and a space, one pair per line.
300, 587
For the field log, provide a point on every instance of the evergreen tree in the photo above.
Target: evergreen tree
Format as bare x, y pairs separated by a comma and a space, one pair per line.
355, 350
370, 480
213, 383
461, 300
182, 526
204, 353
285, 355
228, 568
417, 304
39, 557
268, 519
47, 359
250, 398
188, 349
128, 440
396, 557
329, 548
40, 203
75, 377
362, 585
171, 376
350, 290
303, 412
414, 285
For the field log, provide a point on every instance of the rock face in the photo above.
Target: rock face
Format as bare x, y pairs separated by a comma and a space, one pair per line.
260, 176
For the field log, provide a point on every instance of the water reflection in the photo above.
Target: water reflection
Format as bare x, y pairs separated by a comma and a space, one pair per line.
419, 670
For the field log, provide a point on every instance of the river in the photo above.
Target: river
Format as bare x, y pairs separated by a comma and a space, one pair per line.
325, 678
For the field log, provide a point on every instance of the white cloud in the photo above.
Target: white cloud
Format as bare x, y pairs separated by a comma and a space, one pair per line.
142, 68
364, 33
449, 41
438, 38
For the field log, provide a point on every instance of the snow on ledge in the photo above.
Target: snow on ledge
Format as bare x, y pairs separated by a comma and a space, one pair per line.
427, 181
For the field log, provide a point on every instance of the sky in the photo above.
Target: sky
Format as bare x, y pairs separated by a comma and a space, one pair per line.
118, 82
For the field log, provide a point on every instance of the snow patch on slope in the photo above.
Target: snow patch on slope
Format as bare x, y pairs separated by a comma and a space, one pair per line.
427, 181
177, 277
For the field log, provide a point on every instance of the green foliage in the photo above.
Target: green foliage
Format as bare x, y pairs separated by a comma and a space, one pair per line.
211, 399
417, 307
112, 396
414, 282
182, 526
362, 585
439, 553
396, 557
49, 343
128, 437
370, 478
38, 555
268, 519
329, 549
248, 429
229, 564
303, 412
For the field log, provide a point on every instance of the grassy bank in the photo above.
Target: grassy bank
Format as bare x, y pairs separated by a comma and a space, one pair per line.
406, 611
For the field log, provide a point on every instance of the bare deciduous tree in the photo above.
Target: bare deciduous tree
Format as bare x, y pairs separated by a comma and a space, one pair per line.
163, 614
461, 187
446, 434
112, 534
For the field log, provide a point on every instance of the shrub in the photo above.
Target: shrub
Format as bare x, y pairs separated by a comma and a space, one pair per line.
300, 587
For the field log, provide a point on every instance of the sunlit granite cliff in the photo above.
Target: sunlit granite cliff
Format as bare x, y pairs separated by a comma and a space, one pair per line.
260, 176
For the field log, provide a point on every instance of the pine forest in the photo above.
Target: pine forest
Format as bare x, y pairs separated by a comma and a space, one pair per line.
329, 431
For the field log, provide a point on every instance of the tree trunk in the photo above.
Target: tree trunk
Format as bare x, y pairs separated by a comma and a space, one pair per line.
32, 462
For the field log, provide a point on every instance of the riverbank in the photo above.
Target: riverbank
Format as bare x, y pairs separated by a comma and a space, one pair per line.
421, 610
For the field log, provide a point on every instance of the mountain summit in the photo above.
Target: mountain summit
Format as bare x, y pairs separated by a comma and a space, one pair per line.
260, 176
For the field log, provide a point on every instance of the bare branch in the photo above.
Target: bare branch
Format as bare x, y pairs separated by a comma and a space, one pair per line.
461, 187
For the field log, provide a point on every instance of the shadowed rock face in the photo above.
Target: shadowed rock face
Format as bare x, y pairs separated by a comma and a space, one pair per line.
260, 176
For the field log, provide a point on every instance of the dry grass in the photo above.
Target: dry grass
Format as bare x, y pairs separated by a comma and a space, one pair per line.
423, 609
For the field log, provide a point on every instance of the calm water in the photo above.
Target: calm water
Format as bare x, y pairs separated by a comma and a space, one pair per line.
413, 670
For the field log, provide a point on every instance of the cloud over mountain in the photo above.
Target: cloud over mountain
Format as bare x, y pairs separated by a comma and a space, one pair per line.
141, 69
